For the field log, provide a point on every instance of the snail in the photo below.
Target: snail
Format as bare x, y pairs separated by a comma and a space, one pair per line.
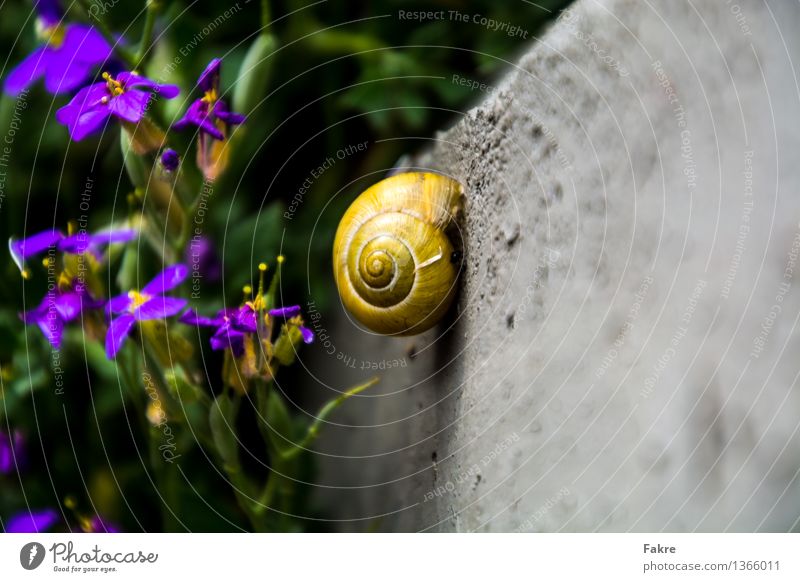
394, 262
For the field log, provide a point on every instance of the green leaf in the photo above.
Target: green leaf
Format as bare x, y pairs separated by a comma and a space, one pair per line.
254, 74
222, 419
275, 422
129, 267
135, 165
179, 386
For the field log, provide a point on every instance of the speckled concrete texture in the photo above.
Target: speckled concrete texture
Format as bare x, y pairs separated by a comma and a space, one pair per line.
623, 355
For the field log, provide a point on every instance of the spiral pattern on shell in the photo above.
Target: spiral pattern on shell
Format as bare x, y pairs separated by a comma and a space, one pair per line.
392, 253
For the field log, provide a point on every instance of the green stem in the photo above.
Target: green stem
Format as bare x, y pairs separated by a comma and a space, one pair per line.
166, 475
268, 494
313, 430
266, 14
131, 385
163, 481
147, 31
153, 363
190, 211
106, 33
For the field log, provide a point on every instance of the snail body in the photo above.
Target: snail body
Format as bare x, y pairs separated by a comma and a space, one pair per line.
392, 253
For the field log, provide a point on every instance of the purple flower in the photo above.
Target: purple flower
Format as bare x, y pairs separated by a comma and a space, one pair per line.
211, 116
75, 244
202, 256
149, 303
170, 160
50, 12
33, 245
127, 98
58, 308
12, 451
32, 521
65, 59
82, 242
231, 326
291, 312
210, 113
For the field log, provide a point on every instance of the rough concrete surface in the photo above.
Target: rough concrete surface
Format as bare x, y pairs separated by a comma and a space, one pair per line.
624, 353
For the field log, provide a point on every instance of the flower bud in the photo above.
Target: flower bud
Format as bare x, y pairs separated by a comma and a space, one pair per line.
285, 348
144, 136
170, 160
254, 73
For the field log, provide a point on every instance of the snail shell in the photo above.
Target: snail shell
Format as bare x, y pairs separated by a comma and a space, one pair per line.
392, 253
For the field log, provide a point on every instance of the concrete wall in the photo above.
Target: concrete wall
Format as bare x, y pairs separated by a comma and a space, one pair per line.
615, 361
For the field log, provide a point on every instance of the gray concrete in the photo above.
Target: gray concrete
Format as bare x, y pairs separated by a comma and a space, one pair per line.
613, 364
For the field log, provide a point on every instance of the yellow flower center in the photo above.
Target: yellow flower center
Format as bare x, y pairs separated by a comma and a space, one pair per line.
137, 299
114, 86
52, 35
210, 96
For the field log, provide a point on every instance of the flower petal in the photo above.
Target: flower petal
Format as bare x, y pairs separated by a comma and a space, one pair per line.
86, 112
160, 307
118, 304
221, 112
90, 302
49, 11
64, 79
33, 245
118, 332
34, 315
114, 236
6, 454
167, 91
191, 317
88, 123
198, 116
290, 311
53, 328
68, 305
46, 317
308, 335
228, 338
209, 78
232, 118
87, 44
28, 71
85, 100
32, 521
81, 242
207, 126
133, 81
80, 51
75, 244
246, 319
12, 451
130, 106
167, 279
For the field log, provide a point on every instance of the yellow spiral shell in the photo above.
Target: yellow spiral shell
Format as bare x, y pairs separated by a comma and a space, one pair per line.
392, 253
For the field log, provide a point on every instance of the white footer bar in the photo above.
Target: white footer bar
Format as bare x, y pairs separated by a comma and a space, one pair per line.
402, 557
